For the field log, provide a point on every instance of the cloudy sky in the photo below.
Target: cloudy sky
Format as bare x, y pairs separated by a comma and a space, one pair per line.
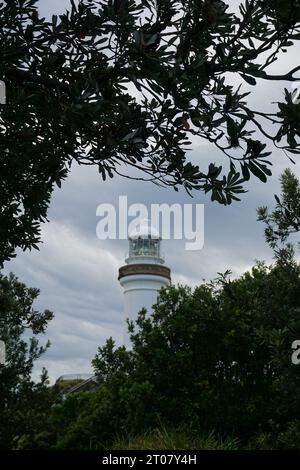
77, 273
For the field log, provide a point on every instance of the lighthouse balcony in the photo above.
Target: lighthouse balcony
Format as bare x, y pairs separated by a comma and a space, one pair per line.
144, 270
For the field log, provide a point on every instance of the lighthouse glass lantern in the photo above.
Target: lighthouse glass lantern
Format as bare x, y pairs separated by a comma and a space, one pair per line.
144, 247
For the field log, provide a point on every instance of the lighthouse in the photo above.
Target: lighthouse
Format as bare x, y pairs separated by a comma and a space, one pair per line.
144, 272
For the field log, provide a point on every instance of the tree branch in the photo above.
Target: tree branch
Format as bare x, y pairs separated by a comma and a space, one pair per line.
25, 75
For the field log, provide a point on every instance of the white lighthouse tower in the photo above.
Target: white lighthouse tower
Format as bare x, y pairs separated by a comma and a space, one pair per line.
144, 272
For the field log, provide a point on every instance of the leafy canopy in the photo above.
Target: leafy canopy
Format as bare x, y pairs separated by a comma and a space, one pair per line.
125, 84
24, 404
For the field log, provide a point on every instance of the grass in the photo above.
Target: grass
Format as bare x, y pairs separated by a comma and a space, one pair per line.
178, 439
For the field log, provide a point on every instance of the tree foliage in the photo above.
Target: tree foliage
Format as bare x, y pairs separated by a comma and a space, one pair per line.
24, 404
284, 220
123, 83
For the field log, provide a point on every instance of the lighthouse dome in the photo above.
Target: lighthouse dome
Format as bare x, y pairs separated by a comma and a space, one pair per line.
144, 230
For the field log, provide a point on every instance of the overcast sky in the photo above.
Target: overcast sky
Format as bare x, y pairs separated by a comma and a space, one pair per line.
77, 273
